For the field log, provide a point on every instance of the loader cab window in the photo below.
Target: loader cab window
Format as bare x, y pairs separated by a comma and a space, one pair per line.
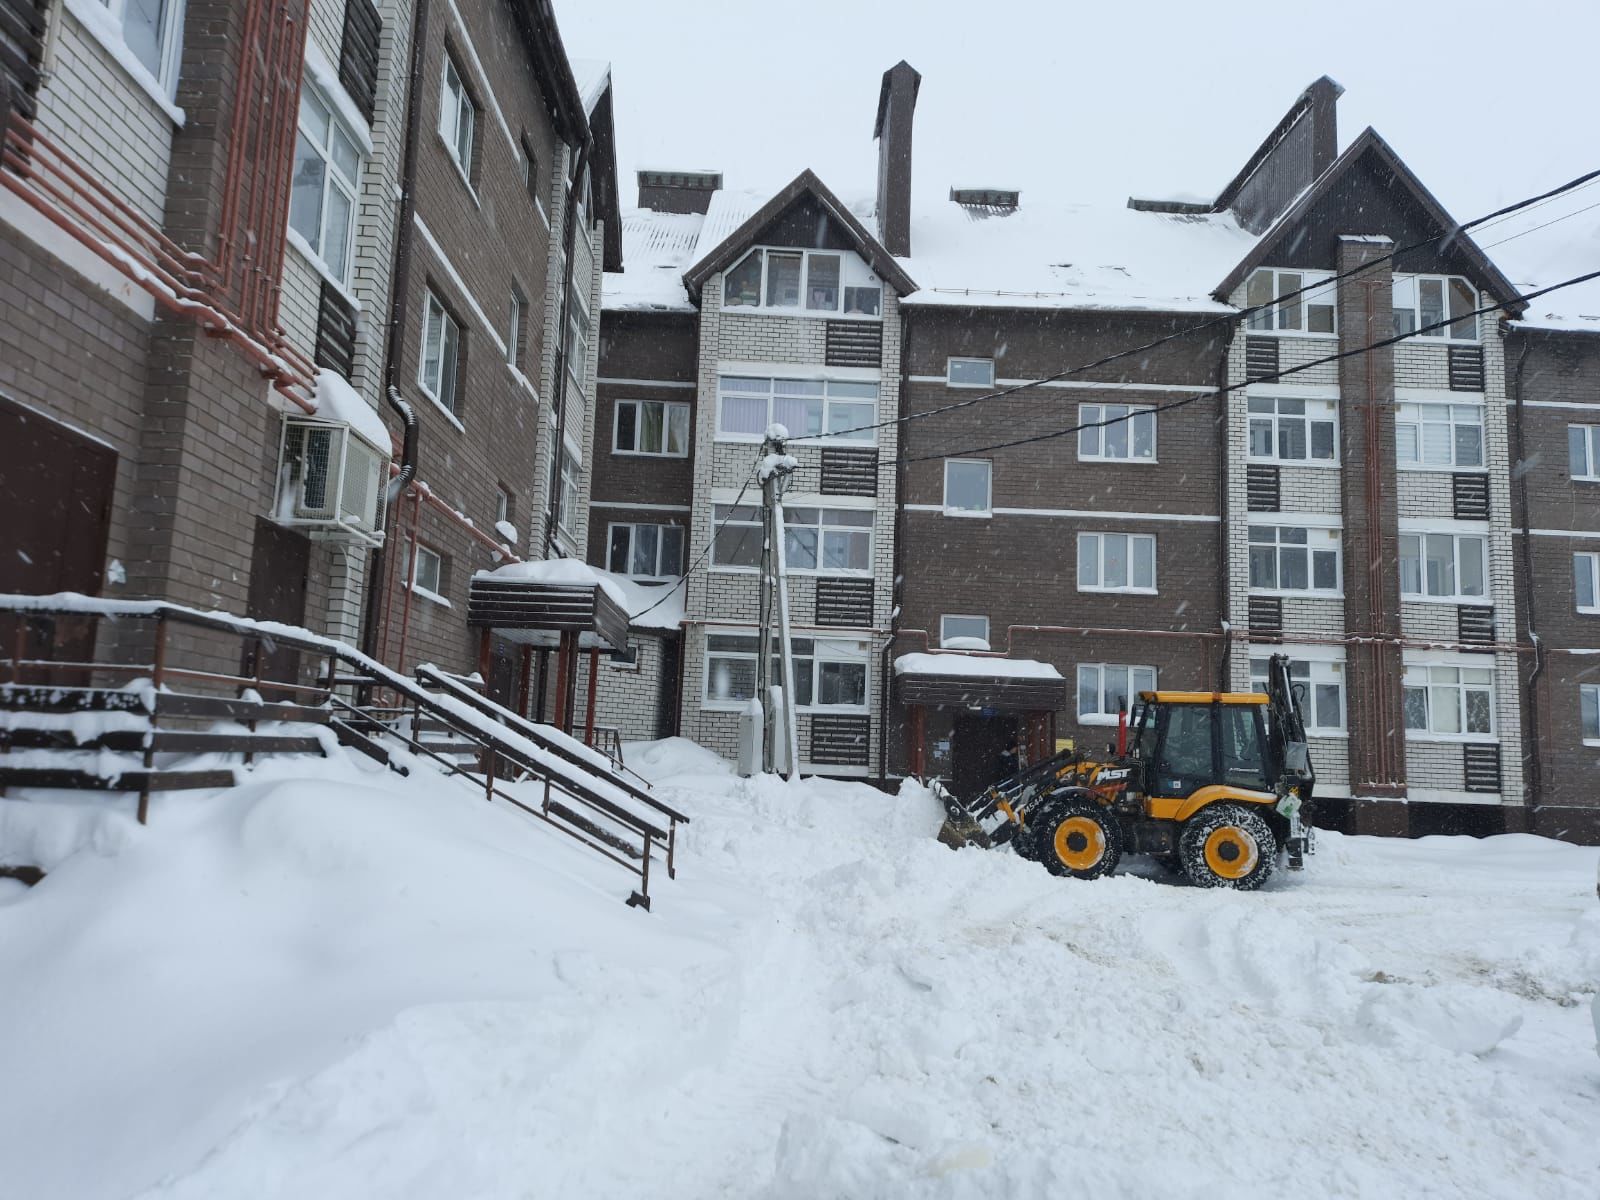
1242, 746
1182, 737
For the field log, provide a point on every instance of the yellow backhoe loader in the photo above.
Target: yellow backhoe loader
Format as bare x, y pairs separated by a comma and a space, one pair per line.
1214, 784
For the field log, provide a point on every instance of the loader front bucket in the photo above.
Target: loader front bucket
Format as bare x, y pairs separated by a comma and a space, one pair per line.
961, 827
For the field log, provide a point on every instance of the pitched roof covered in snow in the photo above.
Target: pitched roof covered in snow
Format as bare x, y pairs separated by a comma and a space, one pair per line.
657, 248
1071, 256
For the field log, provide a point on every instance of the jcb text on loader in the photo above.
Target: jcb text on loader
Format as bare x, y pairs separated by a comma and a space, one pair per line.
1214, 784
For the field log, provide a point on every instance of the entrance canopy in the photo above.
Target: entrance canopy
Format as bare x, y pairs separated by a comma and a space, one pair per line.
972, 681
535, 603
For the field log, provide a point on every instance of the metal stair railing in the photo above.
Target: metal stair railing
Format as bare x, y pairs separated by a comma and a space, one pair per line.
584, 796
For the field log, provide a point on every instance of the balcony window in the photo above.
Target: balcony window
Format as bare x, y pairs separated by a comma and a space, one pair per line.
1444, 436
323, 189
1423, 300
814, 282
1319, 684
1293, 558
1448, 701
1281, 310
829, 541
1293, 431
827, 674
816, 408
1444, 566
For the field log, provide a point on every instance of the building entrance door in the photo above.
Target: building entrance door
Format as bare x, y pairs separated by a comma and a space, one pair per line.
975, 747
279, 564
55, 497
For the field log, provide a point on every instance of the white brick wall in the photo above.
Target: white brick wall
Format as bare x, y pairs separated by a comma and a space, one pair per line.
105, 120
626, 699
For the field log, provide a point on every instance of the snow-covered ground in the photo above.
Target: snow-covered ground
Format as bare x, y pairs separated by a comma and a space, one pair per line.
337, 983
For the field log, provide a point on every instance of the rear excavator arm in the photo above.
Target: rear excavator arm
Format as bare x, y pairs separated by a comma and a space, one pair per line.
1295, 778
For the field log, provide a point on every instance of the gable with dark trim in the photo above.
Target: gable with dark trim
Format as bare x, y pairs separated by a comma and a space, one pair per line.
807, 198
1370, 191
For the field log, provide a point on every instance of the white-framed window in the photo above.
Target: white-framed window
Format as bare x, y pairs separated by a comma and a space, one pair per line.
439, 371
960, 632
1290, 430
519, 306
816, 282
1449, 701
815, 408
1444, 566
829, 541
152, 30
458, 117
1294, 558
736, 536
646, 551
1116, 433
969, 372
1116, 562
1589, 712
571, 477
1314, 312
426, 574
1421, 300
1586, 581
828, 675
653, 427
1320, 685
326, 181
967, 487
1442, 436
1107, 689
1583, 451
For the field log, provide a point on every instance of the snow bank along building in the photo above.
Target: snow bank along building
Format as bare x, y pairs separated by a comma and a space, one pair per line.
1167, 518
228, 231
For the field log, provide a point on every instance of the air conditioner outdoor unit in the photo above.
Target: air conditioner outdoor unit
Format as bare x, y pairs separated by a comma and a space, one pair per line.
330, 481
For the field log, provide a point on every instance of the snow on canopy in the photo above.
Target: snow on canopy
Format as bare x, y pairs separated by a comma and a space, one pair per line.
1072, 256
336, 400
968, 665
632, 596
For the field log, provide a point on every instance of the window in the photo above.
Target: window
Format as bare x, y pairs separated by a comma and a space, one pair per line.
1449, 701
571, 474
1116, 562
504, 506
1116, 433
966, 487
969, 372
1319, 685
1423, 300
519, 305
1443, 566
805, 407
1583, 451
1293, 431
440, 368
820, 282
1586, 581
828, 540
960, 633
647, 551
1293, 558
1589, 708
736, 535
1106, 689
651, 427
458, 117
152, 30
529, 162
1314, 312
322, 194
427, 573
1447, 436
827, 674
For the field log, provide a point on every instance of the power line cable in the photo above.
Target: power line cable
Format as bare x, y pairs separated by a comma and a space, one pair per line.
701, 557
1228, 318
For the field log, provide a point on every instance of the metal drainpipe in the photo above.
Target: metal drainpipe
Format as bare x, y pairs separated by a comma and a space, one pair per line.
1535, 770
399, 285
896, 584
569, 235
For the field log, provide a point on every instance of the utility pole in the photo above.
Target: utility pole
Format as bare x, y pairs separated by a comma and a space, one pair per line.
774, 471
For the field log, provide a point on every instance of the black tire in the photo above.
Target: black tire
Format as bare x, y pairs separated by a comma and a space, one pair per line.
1228, 846
1026, 843
1077, 838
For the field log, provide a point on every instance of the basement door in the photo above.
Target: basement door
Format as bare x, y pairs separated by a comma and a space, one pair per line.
280, 561
55, 493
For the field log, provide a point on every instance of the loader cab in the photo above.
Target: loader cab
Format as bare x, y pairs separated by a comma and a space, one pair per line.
1185, 741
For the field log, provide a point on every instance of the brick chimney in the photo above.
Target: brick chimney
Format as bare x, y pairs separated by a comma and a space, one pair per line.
678, 191
1296, 153
897, 100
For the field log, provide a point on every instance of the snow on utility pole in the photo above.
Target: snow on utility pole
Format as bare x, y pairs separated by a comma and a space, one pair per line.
776, 467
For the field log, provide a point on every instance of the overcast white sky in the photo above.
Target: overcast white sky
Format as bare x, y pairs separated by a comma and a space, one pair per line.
1093, 101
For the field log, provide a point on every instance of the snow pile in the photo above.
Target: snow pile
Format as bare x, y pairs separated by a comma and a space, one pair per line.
347, 984
336, 400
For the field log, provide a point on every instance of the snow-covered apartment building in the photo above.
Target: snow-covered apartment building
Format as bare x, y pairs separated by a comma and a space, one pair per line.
1120, 520
230, 233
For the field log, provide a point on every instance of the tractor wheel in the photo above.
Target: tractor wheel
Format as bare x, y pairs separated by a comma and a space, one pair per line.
1227, 846
1077, 838
1026, 842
